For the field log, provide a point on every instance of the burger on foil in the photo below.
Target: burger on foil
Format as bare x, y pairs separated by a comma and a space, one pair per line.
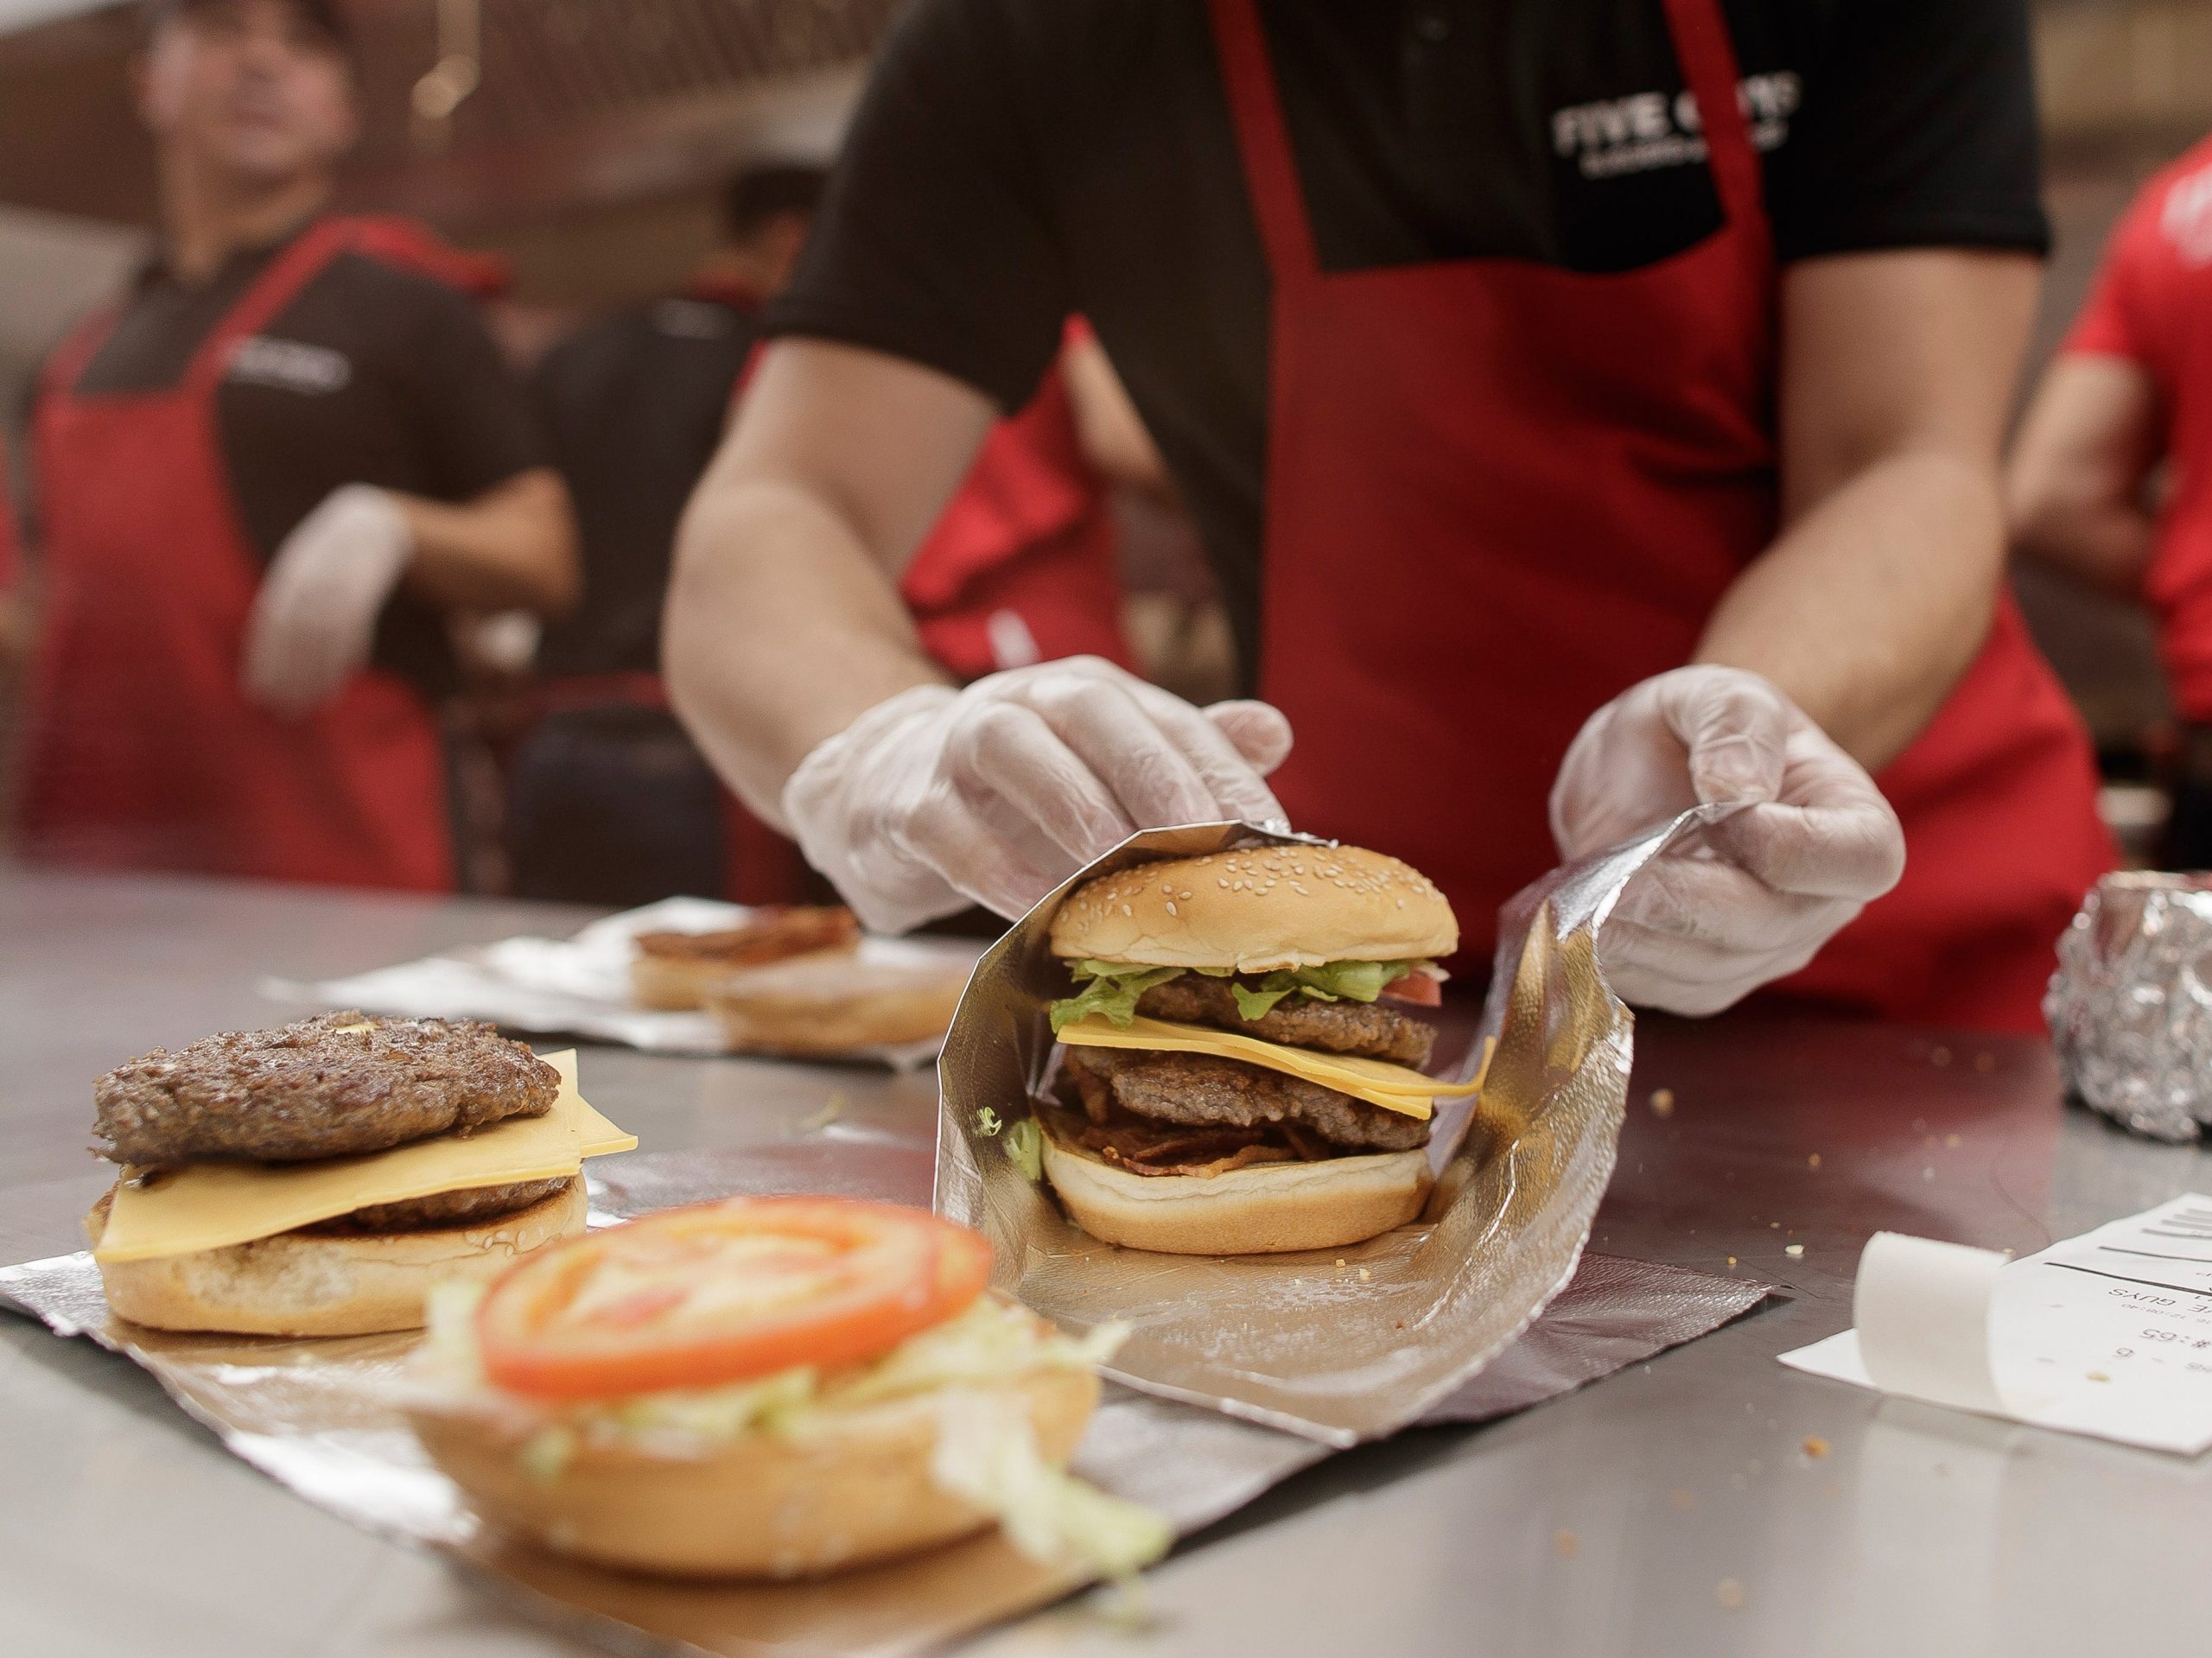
1240, 1072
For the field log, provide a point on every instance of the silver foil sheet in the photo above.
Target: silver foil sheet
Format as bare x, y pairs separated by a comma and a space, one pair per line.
2130, 1004
1339, 1345
313, 1415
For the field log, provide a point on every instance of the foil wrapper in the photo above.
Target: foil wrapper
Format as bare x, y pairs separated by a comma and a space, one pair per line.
1338, 1345
1525, 1168
315, 1416
2130, 1007
580, 986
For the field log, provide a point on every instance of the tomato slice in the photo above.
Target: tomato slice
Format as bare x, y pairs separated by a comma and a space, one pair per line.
723, 1291
1415, 990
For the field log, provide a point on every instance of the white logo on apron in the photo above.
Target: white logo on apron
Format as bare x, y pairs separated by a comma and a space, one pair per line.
289, 366
1646, 131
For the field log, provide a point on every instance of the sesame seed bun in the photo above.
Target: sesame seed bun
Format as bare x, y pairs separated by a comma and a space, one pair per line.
1259, 908
326, 1283
853, 1487
1263, 1209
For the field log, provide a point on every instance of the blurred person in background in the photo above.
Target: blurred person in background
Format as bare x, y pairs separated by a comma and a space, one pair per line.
611, 801
267, 478
2111, 477
1592, 409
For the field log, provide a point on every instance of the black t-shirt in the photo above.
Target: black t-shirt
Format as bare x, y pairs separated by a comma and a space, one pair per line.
1014, 162
370, 374
635, 405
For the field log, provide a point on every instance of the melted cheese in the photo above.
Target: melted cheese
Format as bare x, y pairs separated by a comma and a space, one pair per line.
1394, 1088
211, 1205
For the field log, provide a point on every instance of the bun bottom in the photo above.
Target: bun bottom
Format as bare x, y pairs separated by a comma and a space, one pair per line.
808, 1020
326, 1284
845, 1491
1265, 1208
672, 985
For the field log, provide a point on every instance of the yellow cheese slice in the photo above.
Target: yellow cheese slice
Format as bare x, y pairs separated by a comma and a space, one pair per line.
1394, 1088
210, 1205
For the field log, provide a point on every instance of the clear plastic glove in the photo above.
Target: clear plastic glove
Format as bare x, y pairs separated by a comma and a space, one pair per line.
936, 797
315, 619
1704, 925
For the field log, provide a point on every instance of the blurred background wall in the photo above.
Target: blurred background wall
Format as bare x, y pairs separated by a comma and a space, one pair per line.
586, 139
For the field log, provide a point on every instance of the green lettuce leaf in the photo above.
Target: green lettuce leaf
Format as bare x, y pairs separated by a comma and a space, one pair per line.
1113, 988
1108, 987
1331, 981
991, 1460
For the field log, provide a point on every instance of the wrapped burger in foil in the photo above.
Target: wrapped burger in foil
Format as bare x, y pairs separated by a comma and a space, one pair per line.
2130, 1004
1338, 1345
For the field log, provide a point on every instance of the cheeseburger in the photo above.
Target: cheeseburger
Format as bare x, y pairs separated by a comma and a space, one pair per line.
1241, 1075
315, 1180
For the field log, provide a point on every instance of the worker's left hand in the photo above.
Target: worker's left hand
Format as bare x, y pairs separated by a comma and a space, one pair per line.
1758, 893
315, 619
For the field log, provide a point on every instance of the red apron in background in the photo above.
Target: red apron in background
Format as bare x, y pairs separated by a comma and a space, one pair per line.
142, 753
1021, 568
1499, 494
412, 245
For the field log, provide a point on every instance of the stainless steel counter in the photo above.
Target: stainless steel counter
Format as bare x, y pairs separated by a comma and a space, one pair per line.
1710, 1502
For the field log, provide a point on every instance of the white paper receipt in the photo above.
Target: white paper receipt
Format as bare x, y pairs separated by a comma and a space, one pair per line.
2108, 1334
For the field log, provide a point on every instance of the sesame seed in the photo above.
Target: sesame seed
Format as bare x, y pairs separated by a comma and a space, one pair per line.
1221, 882
1127, 910
1171, 907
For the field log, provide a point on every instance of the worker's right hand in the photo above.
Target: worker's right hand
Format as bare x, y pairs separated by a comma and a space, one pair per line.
995, 794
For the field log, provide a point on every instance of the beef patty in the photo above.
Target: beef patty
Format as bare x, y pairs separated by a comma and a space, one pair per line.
1203, 1091
471, 1206
332, 1086
1296, 1021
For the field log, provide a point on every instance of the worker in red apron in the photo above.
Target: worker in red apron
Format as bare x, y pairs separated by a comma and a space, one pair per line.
2111, 479
610, 802
1589, 413
266, 480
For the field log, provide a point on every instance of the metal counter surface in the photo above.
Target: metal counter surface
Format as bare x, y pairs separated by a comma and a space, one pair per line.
1710, 1502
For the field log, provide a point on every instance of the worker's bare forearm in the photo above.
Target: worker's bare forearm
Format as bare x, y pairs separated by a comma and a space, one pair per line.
1866, 613
513, 548
1896, 369
781, 629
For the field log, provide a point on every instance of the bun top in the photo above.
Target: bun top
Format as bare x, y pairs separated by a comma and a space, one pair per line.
1259, 908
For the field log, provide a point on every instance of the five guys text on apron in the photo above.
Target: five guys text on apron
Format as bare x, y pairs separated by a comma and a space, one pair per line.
1499, 494
143, 751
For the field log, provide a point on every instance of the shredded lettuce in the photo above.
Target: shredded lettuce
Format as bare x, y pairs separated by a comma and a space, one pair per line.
1108, 987
1113, 988
991, 1341
548, 1452
1024, 1146
992, 1460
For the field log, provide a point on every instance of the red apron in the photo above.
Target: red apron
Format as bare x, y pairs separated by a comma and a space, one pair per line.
1021, 568
1499, 494
142, 753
